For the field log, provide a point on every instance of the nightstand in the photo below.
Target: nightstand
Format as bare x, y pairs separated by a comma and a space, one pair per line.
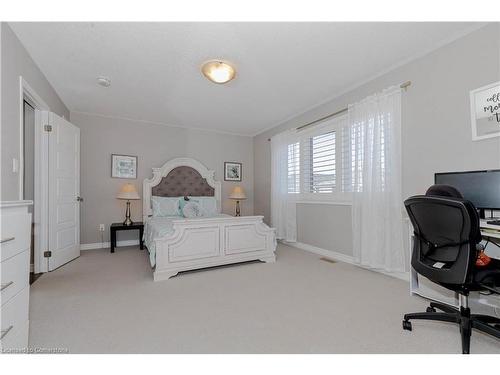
120, 226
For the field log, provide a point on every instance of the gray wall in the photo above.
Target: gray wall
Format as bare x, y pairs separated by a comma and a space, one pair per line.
436, 134
154, 145
315, 220
16, 62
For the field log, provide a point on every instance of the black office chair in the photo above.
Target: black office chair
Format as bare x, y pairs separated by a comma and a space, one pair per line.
445, 249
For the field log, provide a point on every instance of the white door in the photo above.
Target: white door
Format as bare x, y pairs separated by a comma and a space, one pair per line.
63, 191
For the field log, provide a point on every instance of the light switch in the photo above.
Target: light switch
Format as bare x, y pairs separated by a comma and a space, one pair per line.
15, 165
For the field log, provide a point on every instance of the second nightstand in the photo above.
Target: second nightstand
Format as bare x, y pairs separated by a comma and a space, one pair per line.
120, 226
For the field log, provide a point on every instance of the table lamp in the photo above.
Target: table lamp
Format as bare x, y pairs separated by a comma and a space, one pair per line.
238, 194
128, 193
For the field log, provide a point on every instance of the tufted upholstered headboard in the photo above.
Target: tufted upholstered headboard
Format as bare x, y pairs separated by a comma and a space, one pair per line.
179, 177
182, 181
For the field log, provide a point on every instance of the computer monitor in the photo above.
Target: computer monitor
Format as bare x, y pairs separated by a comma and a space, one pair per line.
482, 188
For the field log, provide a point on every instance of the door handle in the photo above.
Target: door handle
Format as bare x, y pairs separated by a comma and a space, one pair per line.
79, 199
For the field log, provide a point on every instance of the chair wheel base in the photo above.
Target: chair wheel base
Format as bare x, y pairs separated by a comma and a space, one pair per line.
463, 318
407, 325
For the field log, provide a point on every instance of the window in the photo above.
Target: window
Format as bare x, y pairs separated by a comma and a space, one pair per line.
340, 157
313, 170
320, 157
312, 160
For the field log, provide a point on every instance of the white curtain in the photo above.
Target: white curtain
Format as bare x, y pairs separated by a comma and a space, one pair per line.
374, 177
283, 208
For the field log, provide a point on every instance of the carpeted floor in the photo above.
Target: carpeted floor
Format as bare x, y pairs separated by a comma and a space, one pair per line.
108, 303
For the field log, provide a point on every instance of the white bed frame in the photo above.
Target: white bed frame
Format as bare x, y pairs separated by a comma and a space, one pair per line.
206, 242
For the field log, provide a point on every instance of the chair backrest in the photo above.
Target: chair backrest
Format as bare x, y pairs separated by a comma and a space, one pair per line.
446, 233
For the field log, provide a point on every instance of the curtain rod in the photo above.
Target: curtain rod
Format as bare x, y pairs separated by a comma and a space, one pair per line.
403, 86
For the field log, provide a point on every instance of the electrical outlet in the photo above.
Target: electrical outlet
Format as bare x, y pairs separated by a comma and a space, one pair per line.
101, 228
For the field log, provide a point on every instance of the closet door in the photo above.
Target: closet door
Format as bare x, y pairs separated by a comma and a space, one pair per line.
64, 192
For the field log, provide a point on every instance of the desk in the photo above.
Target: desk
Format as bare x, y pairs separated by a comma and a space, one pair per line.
439, 294
489, 234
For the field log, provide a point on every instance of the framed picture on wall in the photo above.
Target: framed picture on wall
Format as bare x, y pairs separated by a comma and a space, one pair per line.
232, 171
123, 166
485, 111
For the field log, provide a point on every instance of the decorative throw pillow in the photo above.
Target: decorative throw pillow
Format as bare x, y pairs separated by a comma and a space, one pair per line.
165, 206
209, 205
192, 209
183, 201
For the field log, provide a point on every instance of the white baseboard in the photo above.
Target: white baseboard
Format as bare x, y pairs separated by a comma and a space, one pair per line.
106, 245
323, 252
405, 276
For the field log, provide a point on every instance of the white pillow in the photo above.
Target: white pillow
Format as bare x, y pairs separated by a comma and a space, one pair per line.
192, 209
165, 206
208, 205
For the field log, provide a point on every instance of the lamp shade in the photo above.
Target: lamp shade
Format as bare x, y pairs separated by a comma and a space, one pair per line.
238, 193
128, 192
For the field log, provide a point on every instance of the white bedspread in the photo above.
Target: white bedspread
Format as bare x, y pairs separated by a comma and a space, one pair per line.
157, 227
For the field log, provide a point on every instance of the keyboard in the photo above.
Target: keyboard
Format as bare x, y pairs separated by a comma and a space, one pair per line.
493, 222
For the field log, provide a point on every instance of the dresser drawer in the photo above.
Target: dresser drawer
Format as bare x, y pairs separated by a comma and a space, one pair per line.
14, 316
14, 275
15, 234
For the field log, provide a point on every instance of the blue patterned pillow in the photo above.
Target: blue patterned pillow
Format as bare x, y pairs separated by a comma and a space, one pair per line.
208, 205
182, 202
191, 209
165, 206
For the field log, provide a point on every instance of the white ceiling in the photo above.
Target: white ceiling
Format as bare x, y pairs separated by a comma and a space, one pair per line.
282, 68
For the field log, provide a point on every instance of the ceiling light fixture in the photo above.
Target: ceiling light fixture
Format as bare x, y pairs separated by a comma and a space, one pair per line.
218, 71
104, 81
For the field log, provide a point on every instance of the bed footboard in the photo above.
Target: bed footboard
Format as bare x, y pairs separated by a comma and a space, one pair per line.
201, 243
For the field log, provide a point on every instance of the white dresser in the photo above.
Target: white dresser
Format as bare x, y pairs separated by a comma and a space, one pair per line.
15, 238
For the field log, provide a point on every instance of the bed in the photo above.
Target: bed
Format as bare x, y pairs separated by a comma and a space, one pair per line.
176, 243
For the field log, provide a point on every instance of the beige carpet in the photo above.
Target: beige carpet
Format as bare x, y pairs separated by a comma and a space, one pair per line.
108, 303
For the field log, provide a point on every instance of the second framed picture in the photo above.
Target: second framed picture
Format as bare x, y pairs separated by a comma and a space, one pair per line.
232, 171
123, 166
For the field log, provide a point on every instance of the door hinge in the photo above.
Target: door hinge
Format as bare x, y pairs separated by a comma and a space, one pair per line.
47, 254
47, 128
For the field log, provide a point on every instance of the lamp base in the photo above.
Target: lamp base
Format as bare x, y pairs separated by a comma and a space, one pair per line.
238, 212
127, 215
128, 221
